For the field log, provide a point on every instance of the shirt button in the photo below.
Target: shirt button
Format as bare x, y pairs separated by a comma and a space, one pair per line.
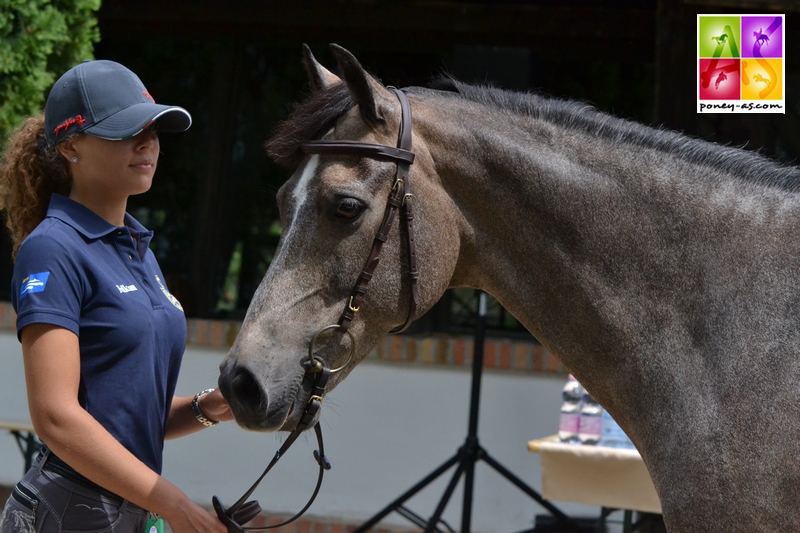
130, 257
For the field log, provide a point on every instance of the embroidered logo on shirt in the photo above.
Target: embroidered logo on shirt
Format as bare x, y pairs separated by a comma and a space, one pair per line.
174, 301
33, 283
127, 288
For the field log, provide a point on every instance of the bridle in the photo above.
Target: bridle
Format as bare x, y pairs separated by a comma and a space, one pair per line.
400, 199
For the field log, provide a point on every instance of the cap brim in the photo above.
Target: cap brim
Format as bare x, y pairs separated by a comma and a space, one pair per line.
134, 119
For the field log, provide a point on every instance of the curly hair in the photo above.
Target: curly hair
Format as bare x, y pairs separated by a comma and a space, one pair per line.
28, 177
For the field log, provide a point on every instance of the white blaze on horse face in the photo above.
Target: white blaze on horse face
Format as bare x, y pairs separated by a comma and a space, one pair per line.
301, 189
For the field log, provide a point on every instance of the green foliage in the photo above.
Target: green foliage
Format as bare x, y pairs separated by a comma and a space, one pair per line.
39, 41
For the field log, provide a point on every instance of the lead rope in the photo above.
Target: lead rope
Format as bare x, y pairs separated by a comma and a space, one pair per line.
244, 511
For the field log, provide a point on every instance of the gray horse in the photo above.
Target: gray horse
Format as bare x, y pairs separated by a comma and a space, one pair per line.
664, 271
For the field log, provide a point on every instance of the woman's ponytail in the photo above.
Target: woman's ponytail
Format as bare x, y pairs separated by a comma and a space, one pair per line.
30, 172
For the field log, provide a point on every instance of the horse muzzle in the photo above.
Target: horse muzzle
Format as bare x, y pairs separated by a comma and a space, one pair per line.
255, 405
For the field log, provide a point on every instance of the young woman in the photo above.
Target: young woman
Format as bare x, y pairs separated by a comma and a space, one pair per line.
102, 337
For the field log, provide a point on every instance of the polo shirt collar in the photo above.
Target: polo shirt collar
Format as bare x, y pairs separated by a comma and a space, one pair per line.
88, 223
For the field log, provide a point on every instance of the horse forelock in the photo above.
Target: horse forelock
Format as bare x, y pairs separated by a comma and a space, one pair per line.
308, 121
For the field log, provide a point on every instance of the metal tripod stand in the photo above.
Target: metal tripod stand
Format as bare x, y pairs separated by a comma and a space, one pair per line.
464, 460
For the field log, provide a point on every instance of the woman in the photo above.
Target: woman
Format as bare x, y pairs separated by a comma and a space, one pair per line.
102, 338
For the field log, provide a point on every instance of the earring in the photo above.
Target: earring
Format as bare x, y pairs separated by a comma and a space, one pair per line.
75, 159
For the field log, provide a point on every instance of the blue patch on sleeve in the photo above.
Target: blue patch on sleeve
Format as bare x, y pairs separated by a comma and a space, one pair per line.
33, 283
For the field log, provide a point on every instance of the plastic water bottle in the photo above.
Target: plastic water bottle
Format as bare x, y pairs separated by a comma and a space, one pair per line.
613, 436
590, 426
570, 411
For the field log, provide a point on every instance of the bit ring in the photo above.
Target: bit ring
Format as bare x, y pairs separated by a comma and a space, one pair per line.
317, 363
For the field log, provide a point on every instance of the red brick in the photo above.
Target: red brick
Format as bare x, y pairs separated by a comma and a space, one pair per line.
304, 525
469, 347
552, 363
505, 355
396, 351
231, 332
458, 351
216, 333
442, 351
201, 332
411, 350
521, 358
538, 358
490, 354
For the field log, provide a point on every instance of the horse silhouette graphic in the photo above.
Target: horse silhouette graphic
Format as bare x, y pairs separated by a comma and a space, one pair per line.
760, 78
722, 77
761, 38
720, 38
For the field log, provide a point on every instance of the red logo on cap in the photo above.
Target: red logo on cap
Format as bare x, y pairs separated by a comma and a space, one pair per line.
79, 120
147, 94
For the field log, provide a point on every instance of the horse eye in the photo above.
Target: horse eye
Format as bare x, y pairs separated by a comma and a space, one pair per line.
349, 208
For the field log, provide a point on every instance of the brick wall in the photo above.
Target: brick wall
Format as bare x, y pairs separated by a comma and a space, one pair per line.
437, 350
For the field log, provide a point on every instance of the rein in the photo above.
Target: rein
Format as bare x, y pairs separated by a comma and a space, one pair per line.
400, 199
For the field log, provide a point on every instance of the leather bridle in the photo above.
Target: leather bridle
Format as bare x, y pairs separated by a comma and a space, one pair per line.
400, 199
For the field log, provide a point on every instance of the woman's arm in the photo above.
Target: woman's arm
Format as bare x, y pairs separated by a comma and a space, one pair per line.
182, 420
52, 374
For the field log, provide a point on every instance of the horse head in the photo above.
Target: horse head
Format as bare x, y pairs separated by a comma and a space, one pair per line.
331, 209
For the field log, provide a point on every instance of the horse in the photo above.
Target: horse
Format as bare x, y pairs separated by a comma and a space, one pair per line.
722, 77
761, 38
663, 270
759, 78
720, 39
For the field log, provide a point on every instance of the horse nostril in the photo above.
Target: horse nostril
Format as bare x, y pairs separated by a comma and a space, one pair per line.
247, 392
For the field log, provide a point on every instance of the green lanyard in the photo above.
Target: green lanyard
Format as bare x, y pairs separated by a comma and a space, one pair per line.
155, 525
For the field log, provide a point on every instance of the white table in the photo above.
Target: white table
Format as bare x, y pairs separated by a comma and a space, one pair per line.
611, 478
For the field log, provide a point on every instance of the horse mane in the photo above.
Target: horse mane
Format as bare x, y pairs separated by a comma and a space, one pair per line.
314, 117
581, 116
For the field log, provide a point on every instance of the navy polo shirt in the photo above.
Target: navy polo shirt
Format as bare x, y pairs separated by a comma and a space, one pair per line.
102, 282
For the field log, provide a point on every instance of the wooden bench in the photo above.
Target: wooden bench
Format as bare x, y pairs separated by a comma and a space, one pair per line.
29, 444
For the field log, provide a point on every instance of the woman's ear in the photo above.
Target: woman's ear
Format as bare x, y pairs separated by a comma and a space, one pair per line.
67, 149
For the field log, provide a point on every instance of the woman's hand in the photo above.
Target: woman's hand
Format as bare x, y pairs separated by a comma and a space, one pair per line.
214, 406
191, 518
181, 417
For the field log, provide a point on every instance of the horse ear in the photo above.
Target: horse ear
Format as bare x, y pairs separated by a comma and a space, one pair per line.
367, 92
318, 76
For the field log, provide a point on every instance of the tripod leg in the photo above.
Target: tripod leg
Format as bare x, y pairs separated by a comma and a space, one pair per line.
466, 508
408, 494
524, 488
445, 498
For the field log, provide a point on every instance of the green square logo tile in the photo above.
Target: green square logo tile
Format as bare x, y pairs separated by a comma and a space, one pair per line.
718, 36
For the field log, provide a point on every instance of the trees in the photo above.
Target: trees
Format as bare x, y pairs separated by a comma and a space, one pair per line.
39, 40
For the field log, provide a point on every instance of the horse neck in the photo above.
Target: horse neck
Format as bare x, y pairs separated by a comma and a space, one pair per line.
585, 240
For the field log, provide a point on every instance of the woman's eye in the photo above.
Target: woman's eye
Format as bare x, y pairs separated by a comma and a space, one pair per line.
349, 208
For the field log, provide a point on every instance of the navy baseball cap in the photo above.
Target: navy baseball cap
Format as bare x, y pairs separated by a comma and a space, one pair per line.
107, 100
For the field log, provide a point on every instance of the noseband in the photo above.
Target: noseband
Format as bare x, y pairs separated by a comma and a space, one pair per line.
400, 199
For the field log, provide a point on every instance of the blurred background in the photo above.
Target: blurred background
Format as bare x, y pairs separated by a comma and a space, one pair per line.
236, 66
